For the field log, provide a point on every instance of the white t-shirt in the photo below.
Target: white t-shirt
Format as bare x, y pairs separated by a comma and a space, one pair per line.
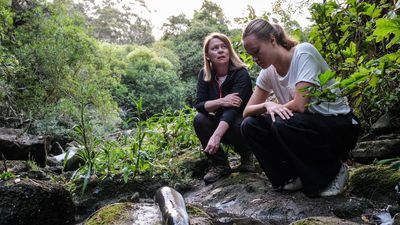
306, 65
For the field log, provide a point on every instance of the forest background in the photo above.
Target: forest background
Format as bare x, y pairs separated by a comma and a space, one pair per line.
94, 73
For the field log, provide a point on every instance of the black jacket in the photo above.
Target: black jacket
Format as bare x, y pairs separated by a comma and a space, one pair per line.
236, 81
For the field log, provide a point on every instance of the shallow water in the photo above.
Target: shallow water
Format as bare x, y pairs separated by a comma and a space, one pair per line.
146, 213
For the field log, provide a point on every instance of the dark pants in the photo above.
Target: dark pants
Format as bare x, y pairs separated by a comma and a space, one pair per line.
309, 146
205, 125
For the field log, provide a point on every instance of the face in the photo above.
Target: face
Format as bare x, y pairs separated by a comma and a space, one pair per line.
217, 52
260, 50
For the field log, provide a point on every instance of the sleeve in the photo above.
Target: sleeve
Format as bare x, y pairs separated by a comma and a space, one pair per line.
242, 85
201, 93
262, 80
308, 69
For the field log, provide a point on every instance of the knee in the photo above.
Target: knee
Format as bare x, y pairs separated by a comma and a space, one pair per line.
248, 125
200, 120
279, 124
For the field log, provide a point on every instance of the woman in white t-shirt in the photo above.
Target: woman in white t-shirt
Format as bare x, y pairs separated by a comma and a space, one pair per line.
301, 141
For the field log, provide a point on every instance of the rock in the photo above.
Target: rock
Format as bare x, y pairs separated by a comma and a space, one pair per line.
374, 182
15, 144
396, 219
232, 198
126, 214
393, 209
323, 221
198, 216
35, 202
382, 125
200, 221
353, 207
56, 148
172, 206
378, 149
52, 162
73, 160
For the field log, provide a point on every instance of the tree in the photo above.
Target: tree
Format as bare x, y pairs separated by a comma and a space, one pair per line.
188, 43
117, 22
154, 78
210, 13
8, 62
175, 26
48, 51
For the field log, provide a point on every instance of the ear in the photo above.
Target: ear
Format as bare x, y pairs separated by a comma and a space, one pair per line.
273, 40
207, 58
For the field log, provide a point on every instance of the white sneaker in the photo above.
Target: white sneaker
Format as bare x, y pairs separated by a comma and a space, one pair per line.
338, 184
293, 185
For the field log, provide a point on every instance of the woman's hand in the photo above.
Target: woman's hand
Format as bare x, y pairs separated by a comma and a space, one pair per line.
213, 144
275, 108
231, 100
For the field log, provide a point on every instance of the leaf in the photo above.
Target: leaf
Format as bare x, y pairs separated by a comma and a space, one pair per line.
86, 181
326, 76
125, 172
387, 161
385, 27
374, 81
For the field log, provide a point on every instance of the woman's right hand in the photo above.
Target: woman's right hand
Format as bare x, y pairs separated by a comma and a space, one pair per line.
275, 108
231, 100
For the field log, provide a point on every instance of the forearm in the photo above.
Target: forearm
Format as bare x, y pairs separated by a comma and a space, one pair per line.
221, 129
295, 106
215, 140
252, 110
212, 105
300, 100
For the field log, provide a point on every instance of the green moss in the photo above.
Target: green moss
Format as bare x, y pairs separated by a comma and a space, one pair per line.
373, 180
308, 221
181, 168
109, 214
194, 211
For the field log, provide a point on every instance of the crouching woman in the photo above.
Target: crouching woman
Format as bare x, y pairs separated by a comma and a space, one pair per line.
299, 142
223, 90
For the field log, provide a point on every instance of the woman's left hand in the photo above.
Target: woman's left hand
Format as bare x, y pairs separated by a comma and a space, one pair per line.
275, 108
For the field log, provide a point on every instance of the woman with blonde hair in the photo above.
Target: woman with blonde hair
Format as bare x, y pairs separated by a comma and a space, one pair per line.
223, 90
301, 141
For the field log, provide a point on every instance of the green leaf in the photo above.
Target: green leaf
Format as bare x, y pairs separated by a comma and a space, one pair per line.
374, 81
325, 77
86, 181
386, 27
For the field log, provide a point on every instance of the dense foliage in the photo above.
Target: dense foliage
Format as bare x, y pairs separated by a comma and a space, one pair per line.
360, 40
50, 59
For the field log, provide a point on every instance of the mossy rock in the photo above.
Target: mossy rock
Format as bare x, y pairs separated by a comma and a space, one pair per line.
196, 211
374, 182
126, 214
198, 216
323, 221
111, 214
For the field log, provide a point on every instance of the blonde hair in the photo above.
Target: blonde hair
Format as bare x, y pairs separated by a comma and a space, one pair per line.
234, 60
263, 30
